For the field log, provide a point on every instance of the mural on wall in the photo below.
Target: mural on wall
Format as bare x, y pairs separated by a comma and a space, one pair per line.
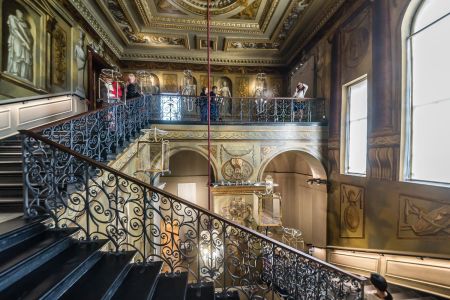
423, 218
352, 211
236, 165
276, 86
243, 86
80, 57
356, 40
170, 83
237, 169
59, 66
20, 45
305, 74
225, 87
323, 69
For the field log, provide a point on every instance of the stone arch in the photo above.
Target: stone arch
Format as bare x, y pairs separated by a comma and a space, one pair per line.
214, 163
313, 158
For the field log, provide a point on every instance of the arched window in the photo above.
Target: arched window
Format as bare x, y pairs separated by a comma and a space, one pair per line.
428, 93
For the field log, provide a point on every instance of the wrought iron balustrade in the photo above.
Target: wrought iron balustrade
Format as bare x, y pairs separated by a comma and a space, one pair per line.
102, 132
171, 107
75, 190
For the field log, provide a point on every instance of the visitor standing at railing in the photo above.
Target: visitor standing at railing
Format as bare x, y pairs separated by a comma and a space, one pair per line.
214, 105
300, 92
132, 87
203, 103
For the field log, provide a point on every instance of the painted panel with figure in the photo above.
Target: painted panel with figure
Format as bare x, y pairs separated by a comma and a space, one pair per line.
170, 83
18, 40
59, 55
352, 211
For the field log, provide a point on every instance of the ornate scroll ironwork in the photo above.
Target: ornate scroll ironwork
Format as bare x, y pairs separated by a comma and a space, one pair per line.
254, 110
64, 180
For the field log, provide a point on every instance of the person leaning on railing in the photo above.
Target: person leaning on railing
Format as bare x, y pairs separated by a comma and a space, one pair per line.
132, 87
300, 92
203, 103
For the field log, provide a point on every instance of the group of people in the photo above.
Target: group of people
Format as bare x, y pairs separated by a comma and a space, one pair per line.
203, 103
114, 89
300, 92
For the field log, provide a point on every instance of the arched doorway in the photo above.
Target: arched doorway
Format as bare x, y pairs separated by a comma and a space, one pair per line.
188, 177
304, 205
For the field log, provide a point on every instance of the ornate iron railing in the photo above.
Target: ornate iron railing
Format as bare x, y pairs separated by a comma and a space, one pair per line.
170, 107
65, 180
103, 132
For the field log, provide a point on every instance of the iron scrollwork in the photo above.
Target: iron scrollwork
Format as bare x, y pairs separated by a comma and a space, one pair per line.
65, 180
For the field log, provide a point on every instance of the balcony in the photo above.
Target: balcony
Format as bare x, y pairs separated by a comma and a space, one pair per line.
174, 108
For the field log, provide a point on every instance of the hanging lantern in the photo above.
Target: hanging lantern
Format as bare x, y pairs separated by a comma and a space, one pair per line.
188, 90
267, 206
152, 155
110, 85
144, 80
260, 85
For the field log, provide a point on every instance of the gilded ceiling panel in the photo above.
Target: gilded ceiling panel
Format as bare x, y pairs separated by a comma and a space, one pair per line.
242, 30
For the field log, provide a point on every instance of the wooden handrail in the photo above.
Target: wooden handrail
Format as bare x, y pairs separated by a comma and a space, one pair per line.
136, 181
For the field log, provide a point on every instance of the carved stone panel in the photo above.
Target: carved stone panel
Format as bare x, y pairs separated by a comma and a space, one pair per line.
352, 211
423, 218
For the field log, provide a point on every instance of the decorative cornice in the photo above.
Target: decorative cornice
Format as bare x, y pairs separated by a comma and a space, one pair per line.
197, 132
92, 20
314, 29
201, 60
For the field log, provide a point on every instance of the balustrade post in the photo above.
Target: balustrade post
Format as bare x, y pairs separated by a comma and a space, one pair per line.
224, 229
292, 110
86, 202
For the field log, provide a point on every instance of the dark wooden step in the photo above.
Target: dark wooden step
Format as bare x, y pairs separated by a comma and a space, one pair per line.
103, 279
17, 230
140, 282
15, 165
11, 189
10, 148
11, 204
171, 286
53, 278
201, 291
25, 257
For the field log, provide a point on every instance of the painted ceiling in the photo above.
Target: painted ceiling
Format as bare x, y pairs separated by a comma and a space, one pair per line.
243, 32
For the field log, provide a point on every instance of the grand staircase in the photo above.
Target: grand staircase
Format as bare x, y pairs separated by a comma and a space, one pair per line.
11, 186
40, 263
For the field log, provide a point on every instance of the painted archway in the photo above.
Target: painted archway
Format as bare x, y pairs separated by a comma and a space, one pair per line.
188, 176
304, 206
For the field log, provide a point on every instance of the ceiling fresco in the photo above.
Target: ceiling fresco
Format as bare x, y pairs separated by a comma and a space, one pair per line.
244, 32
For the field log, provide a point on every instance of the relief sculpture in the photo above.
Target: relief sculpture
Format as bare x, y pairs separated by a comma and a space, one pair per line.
352, 211
80, 56
421, 218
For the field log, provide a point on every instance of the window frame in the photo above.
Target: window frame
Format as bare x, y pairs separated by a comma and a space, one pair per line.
407, 139
345, 125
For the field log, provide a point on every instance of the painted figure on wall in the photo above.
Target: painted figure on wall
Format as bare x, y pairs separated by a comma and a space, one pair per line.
20, 46
188, 84
80, 56
225, 92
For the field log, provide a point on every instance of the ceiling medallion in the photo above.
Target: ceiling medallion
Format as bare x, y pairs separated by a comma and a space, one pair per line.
217, 7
